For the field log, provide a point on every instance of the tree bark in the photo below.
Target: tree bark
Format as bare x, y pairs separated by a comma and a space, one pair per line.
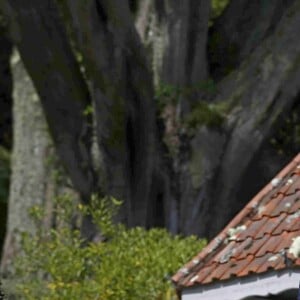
143, 18
179, 39
32, 182
209, 170
5, 127
195, 177
180, 56
185, 62
261, 92
124, 106
4, 188
239, 30
59, 83
5, 90
175, 35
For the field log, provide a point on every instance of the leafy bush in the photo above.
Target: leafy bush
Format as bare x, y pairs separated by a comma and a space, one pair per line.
131, 264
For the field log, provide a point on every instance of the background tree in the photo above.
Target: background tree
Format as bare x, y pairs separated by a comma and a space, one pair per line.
5, 126
34, 168
183, 142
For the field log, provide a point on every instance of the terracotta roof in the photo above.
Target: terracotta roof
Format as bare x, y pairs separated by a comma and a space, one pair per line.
258, 239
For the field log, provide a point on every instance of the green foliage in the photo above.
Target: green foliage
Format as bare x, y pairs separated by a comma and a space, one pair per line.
204, 114
166, 94
171, 94
286, 139
217, 7
89, 110
132, 264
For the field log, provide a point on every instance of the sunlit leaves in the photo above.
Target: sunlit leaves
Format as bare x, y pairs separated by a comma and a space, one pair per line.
131, 264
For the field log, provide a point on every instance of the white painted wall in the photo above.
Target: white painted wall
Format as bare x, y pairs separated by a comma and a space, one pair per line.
269, 283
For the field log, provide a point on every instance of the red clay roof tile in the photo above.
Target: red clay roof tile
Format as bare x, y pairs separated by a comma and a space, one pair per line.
217, 273
267, 224
253, 229
269, 246
271, 225
237, 266
249, 246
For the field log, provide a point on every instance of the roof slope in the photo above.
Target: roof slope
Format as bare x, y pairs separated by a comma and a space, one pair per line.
258, 239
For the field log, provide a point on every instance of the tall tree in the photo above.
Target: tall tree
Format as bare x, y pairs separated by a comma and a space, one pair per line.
239, 30
32, 163
5, 125
5, 90
124, 107
56, 76
218, 136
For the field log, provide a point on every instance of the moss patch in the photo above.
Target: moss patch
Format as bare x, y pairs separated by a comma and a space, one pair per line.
195, 168
117, 132
217, 7
204, 114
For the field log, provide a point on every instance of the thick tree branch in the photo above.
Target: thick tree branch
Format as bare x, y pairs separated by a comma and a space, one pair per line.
123, 95
143, 17
5, 90
240, 29
187, 35
37, 30
264, 89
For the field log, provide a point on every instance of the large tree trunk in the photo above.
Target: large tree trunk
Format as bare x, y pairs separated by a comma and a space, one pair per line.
5, 90
185, 57
259, 93
5, 127
4, 188
179, 41
123, 96
32, 182
239, 30
59, 83
178, 38
143, 18
197, 184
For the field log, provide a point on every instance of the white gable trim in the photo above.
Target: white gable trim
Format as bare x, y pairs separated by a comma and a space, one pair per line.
237, 289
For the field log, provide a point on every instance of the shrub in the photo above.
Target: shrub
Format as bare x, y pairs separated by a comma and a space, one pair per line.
131, 264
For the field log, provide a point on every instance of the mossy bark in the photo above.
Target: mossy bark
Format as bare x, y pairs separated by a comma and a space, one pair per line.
5, 126
59, 83
196, 190
268, 86
239, 30
5, 90
122, 91
31, 181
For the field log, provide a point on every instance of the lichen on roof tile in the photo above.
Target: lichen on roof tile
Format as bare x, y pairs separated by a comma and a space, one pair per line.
276, 181
295, 247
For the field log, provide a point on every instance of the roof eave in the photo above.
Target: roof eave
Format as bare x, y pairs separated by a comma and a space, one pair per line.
272, 282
